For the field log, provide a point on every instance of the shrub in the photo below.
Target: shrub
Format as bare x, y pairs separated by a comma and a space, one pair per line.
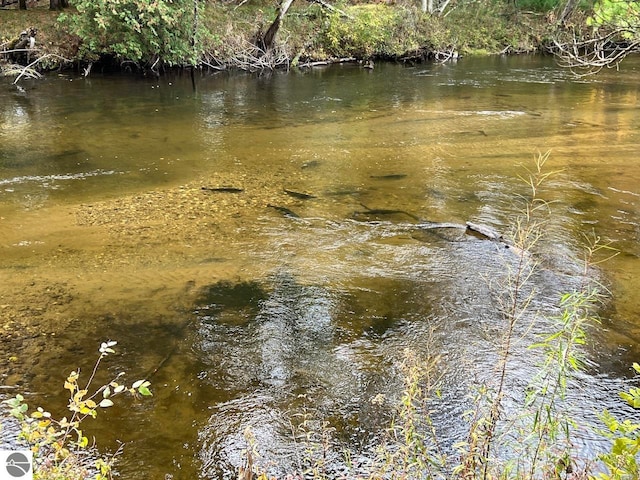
60, 448
134, 30
371, 30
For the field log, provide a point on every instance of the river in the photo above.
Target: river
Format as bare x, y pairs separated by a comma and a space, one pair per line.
257, 248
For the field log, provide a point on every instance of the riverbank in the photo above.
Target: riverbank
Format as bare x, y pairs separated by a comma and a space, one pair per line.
227, 35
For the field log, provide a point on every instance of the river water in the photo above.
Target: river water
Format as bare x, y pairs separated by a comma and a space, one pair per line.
258, 247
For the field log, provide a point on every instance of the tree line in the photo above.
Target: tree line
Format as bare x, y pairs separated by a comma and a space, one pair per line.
586, 35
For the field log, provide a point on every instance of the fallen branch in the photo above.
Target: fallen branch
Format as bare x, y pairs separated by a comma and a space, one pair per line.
254, 58
14, 69
213, 67
328, 62
445, 56
332, 8
15, 50
28, 70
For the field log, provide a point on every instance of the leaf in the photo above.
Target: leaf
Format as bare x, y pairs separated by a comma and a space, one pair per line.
79, 395
105, 403
105, 347
137, 383
106, 393
42, 424
85, 411
143, 390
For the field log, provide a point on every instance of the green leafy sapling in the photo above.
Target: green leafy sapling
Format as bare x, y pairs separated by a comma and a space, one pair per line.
57, 445
622, 459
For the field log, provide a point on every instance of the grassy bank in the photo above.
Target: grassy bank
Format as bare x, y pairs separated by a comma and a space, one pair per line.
226, 33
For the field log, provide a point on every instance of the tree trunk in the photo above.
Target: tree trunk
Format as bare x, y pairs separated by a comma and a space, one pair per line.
427, 6
23, 4
268, 38
568, 9
55, 4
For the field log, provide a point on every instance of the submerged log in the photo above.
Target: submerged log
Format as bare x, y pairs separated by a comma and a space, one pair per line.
484, 232
436, 225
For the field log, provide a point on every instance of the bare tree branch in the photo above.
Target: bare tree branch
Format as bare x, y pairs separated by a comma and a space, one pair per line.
30, 72
587, 57
331, 8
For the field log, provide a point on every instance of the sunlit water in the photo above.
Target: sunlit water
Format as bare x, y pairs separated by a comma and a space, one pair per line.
308, 317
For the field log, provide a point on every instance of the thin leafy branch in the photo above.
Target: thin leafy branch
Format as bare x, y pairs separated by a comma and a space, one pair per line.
61, 448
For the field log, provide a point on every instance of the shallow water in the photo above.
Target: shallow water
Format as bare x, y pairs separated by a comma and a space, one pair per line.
259, 319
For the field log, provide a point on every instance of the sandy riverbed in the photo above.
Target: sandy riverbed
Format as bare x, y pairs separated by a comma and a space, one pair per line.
151, 250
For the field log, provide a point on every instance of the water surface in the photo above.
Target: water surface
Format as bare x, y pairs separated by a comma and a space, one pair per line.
241, 315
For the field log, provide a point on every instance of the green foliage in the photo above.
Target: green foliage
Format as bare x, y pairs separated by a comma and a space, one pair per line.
370, 30
617, 14
60, 448
412, 449
633, 396
144, 31
550, 423
538, 5
484, 27
134, 30
622, 459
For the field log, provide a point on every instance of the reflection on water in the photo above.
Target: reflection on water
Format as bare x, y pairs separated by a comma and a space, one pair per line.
248, 317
